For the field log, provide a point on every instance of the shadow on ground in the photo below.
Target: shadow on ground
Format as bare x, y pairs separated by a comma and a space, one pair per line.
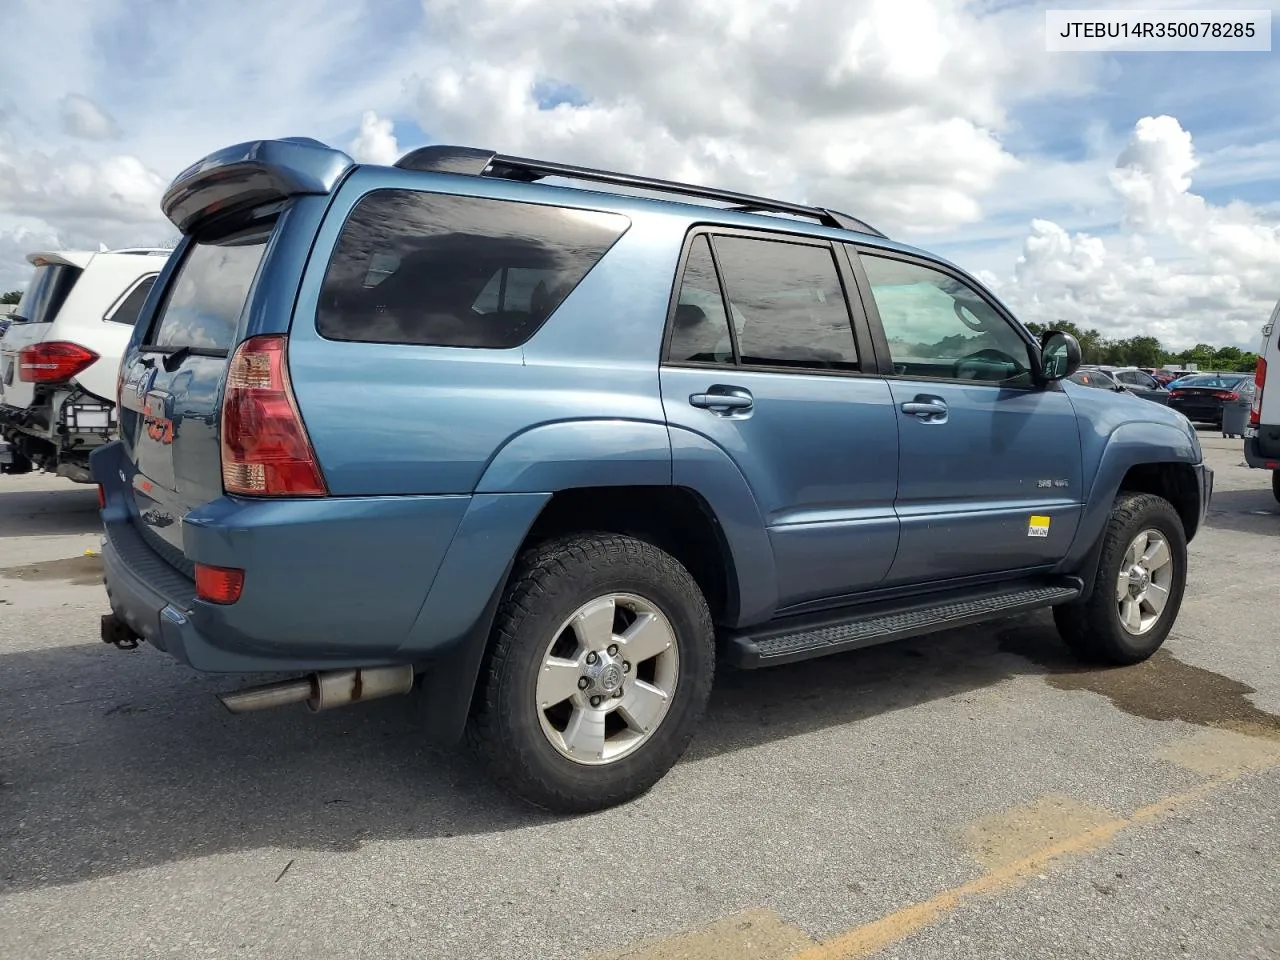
49, 513
1244, 511
113, 761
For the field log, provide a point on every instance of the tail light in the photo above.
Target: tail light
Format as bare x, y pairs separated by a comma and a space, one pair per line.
1259, 379
265, 448
54, 362
1175, 393
102, 498
1230, 396
218, 584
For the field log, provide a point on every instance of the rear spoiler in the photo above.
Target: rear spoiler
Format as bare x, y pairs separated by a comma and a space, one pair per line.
251, 174
64, 258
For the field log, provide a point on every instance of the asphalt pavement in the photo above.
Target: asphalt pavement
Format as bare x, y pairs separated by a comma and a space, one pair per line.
971, 794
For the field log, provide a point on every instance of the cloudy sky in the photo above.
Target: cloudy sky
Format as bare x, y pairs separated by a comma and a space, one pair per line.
1138, 193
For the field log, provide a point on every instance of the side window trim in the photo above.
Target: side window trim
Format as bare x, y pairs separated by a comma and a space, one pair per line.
860, 328
856, 251
725, 303
128, 291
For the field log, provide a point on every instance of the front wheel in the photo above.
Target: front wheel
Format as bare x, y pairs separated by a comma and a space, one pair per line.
599, 669
1275, 484
1138, 587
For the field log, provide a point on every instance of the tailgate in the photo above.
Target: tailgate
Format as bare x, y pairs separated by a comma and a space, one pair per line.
171, 393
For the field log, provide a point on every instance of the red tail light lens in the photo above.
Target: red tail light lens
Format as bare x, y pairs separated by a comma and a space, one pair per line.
1175, 393
1259, 379
102, 498
265, 448
53, 362
1228, 395
218, 584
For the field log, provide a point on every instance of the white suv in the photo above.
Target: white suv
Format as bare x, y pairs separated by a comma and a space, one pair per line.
61, 353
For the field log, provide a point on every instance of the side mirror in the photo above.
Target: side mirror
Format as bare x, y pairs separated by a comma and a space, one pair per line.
1059, 355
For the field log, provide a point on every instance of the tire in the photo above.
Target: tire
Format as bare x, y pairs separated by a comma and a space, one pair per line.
1275, 484
521, 744
1093, 627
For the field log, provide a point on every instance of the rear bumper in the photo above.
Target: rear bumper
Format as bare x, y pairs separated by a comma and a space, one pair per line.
1198, 412
329, 583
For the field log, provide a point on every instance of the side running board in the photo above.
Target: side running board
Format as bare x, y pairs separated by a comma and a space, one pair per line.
790, 639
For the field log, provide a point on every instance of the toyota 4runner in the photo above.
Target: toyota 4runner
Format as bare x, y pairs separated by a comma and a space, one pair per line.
545, 454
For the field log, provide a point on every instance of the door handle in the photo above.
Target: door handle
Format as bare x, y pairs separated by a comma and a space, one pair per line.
928, 409
733, 398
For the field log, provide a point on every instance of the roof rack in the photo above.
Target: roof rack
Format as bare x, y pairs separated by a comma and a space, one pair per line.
475, 162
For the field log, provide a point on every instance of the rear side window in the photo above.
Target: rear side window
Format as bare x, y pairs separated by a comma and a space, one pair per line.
439, 270
788, 304
786, 300
205, 299
128, 309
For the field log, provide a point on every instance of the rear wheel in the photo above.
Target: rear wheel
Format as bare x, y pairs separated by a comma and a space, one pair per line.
599, 670
1138, 587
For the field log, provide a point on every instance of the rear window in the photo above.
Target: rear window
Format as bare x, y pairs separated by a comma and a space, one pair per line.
438, 270
46, 293
1214, 382
204, 301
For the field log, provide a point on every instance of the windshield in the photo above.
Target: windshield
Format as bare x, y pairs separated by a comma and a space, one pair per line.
45, 294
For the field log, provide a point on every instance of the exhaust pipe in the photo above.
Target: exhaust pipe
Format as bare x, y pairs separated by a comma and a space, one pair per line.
324, 690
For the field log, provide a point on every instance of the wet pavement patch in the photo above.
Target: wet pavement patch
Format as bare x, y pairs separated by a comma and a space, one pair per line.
81, 571
1161, 688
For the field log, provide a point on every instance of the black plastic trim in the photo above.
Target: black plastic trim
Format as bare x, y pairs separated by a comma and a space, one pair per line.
473, 161
791, 639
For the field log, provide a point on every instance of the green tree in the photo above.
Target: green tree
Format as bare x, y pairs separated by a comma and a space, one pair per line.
12, 296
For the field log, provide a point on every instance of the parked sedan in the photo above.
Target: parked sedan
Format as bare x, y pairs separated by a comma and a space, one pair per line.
1202, 397
1139, 383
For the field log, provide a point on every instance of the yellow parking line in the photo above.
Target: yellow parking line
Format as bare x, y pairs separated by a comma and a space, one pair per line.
871, 938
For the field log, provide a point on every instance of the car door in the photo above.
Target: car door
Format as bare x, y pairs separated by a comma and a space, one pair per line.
989, 475
790, 394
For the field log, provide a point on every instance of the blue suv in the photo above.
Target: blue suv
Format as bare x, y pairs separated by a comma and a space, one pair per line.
544, 453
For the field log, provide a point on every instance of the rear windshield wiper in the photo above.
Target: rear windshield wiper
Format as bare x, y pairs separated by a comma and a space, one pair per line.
173, 356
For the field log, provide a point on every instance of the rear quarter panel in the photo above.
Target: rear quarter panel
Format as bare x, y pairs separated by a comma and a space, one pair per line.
407, 419
82, 317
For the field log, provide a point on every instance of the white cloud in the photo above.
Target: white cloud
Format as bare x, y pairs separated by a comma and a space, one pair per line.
904, 112
376, 142
83, 118
1217, 284
893, 112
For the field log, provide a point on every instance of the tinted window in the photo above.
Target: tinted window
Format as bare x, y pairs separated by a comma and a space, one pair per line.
413, 267
205, 299
131, 306
787, 304
46, 293
940, 327
700, 332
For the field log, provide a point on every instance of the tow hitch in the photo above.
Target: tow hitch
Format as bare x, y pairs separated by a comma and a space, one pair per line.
118, 633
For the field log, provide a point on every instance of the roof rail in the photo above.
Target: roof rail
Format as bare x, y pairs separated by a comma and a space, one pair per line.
142, 251
475, 162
